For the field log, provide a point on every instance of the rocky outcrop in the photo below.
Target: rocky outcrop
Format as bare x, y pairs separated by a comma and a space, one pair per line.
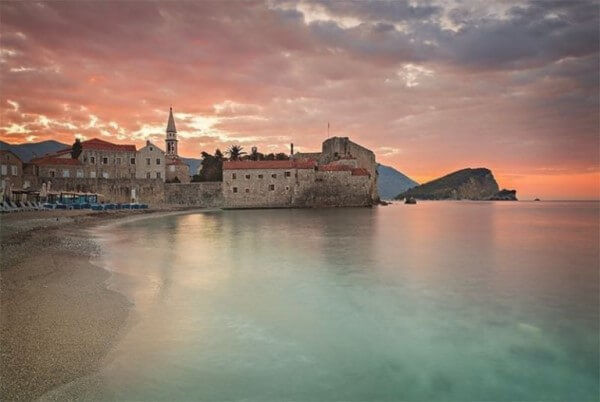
504, 195
465, 184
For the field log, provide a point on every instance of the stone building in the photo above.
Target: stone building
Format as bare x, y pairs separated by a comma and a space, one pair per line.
340, 150
150, 162
177, 170
51, 167
296, 183
100, 159
11, 171
265, 184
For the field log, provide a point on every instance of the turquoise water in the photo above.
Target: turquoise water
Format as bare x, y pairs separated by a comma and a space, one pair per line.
454, 301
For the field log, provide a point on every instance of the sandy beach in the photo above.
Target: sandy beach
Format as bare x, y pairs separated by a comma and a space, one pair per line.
58, 319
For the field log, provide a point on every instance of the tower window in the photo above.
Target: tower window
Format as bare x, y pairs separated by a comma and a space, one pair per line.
131, 161
235, 189
272, 187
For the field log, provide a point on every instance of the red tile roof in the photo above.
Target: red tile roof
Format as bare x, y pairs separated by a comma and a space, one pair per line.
360, 172
96, 143
331, 167
287, 164
52, 161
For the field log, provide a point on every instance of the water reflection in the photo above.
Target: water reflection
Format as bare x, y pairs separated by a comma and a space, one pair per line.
453, 301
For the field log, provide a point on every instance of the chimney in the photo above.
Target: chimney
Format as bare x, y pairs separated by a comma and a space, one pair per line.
292, 148
147, 142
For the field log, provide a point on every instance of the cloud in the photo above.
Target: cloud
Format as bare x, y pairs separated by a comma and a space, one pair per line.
450, 83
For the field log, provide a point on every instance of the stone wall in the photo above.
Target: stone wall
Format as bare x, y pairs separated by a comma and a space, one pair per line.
202, 194
149, 191
296, 188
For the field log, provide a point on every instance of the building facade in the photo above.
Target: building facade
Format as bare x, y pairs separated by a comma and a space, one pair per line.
11, 171
150, 162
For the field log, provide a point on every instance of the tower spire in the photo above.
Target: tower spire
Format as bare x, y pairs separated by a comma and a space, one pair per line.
171, 123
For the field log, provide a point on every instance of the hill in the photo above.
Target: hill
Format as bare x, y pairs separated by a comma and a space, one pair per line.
469, 184
32, 150
391, 182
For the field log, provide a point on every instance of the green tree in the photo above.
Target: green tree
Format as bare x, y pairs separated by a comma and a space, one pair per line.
235, 152
76, 149
281, 157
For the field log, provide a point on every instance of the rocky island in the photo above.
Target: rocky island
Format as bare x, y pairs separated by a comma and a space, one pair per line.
465, 184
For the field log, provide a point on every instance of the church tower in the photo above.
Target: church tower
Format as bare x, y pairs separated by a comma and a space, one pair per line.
171, 140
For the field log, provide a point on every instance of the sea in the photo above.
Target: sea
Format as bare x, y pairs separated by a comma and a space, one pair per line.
438, 301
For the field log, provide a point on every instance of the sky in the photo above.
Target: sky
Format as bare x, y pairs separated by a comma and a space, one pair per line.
429, 86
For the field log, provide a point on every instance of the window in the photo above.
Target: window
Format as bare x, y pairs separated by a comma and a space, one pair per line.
93, 160
118, 161
247, 176
132, 161
105, 175
235, 189
233, 176
271, 187
80, 173
247, 190
260, 176
93, 174
148, 161
105, 161
14, 170
151, 149
158, 175
288, 174
52, 173
85, 159
148, 175
66, 173
158, 161
4, 170
274, 175
287, 188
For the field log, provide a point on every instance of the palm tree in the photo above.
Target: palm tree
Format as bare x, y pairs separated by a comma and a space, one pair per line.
235, 151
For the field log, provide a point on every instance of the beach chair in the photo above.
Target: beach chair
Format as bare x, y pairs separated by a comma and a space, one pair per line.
32, 206
14, 206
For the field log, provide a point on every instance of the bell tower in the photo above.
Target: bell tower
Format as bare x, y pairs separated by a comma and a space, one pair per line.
171, 140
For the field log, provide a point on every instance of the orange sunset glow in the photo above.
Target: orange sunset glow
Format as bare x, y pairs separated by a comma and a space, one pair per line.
431, 87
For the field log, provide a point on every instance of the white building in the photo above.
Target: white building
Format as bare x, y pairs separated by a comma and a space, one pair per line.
150, 162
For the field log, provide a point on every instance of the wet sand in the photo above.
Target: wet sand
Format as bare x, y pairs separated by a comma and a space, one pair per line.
58, 320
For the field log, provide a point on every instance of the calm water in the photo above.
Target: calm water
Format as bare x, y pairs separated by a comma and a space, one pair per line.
436, 301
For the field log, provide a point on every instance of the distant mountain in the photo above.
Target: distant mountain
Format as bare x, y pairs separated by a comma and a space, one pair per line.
391, 182
466, 184
193, 164
32, 150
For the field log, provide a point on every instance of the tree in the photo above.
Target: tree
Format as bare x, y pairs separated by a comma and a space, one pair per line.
235, 152
211, 168
76, 149
281, 157
255, 155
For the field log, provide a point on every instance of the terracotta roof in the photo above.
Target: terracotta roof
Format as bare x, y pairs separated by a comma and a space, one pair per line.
331, 167
360, 172
52, 161
287, 164
8, 151
96, 143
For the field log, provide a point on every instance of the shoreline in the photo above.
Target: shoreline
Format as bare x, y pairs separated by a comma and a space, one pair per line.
58, 318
